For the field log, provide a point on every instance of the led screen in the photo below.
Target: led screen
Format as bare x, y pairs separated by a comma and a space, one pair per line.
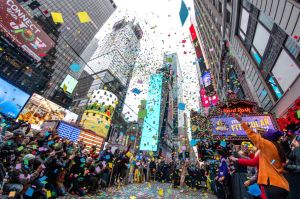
68, 131
12, 99
69, 83
230, 126
99, 111
151, 121
17, 24
39, 109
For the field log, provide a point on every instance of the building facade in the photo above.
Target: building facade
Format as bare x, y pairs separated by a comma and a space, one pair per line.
258, 51
112, 63
71, 38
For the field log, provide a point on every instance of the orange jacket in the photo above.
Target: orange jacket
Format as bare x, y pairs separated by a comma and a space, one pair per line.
270, 165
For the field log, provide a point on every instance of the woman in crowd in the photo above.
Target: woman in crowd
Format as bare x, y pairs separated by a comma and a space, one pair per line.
271, 159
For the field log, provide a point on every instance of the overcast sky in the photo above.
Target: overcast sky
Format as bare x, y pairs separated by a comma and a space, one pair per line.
163, 33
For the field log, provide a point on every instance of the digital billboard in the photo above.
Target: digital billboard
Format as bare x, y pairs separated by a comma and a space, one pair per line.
39, 109
151, 121
69, 83
20, 28
12, 99
193, 32
98, 114
207, 101
230, 126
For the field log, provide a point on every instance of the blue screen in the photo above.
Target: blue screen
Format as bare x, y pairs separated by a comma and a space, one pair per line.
12, 99
151, 121
68, 131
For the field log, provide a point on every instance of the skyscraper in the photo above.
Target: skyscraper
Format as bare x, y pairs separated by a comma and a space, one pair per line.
71, 39
257, 48
110, 70
112, 64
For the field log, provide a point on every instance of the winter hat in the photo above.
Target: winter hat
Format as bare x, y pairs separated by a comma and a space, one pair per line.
19, 132
272, 135
28, 157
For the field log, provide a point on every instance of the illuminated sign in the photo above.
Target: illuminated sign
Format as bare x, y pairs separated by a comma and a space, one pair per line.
230, 126
193, 32
38, 109
70, 84
12, 99
151, 122
237, 110
207, 101
98, 113
21, 29
206, 78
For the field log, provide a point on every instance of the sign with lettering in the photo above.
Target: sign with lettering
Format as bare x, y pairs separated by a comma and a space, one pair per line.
240, 110
17, 24
230, 126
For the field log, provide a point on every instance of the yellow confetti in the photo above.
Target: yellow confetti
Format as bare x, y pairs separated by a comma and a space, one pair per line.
132, 197
48, 194
110, 165
161, 192
83, 17
65, 88
57, 17
128, 154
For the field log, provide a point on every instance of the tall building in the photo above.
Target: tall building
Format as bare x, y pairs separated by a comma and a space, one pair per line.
257, 53
171, 117
71, 38
164, 120
112, 63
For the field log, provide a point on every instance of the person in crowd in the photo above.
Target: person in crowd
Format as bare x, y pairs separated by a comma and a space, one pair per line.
271, 160
293, 168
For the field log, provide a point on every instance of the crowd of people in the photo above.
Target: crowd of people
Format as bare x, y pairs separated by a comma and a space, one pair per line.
41, 164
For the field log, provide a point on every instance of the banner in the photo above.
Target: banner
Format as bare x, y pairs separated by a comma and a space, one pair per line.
230, 126
23, 31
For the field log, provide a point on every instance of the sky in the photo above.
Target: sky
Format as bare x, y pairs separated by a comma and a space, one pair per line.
163, 33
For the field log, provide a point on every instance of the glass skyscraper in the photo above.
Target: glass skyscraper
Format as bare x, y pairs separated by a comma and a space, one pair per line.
72, 37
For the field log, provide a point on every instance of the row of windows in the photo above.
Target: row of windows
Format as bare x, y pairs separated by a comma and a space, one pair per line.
275, 78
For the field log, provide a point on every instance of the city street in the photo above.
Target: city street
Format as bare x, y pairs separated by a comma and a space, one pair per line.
153, 190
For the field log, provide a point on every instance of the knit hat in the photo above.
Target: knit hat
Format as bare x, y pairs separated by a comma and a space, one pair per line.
272, 135
19, 132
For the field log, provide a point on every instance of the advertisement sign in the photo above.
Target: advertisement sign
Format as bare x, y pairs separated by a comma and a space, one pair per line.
193, 32
69, 83
207, 101
98, 114
20, 28
39, 109
151, 122
206, 78
12, 99
230, 126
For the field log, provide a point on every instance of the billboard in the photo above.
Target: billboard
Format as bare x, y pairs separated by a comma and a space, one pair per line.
39, 109
23, 31
207, 101
193, 32
151, 121
207, 82
98, 114
69, 83
230, 126
12, 99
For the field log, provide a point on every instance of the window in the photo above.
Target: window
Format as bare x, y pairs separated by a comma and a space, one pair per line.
244, 21
261, 39
275, 87
285, 70
266, 20
255, 55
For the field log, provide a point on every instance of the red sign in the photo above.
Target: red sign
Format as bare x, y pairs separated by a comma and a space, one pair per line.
193, 32
207, 101
23, 31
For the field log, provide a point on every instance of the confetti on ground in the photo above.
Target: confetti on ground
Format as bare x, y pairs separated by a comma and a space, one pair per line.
144, 191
